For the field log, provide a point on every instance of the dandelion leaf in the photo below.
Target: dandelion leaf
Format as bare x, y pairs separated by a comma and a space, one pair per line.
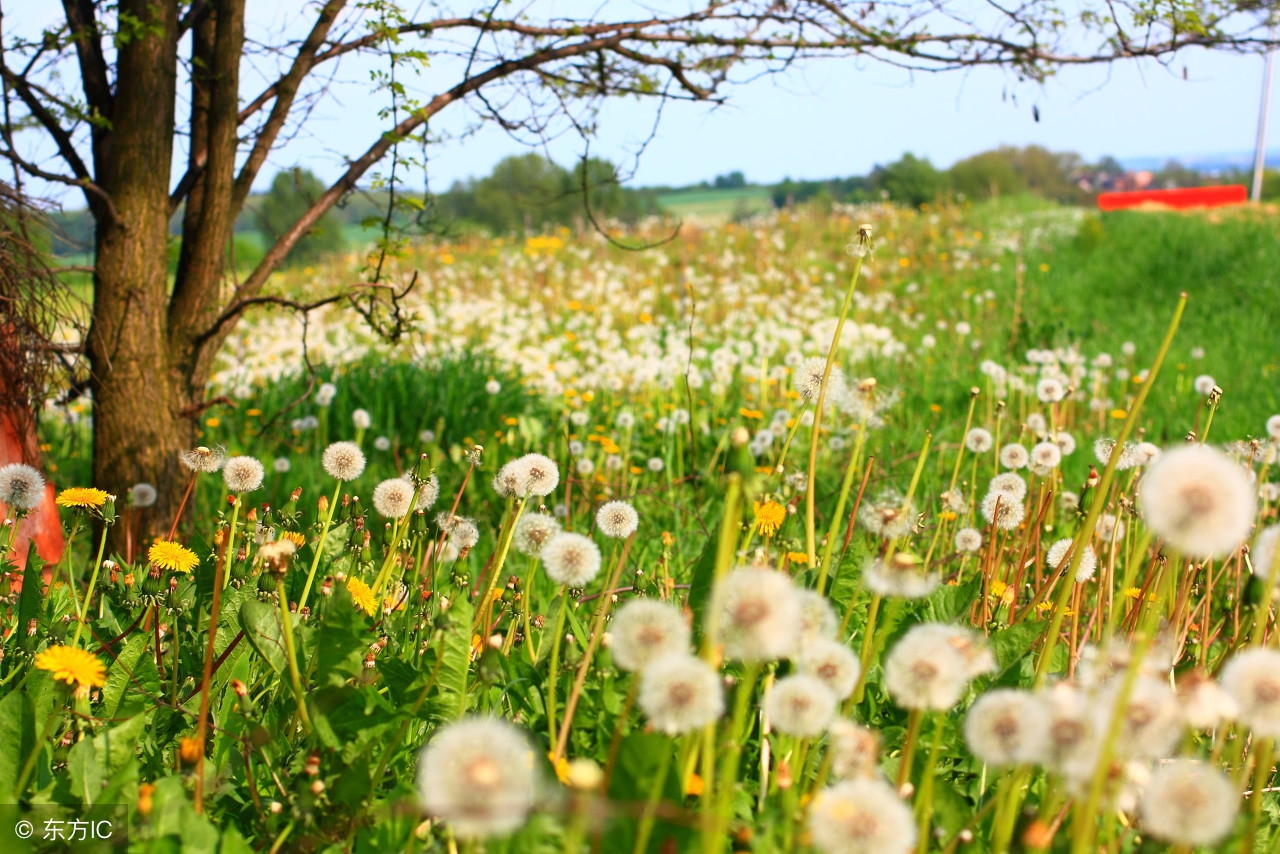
17, 738
264, 632
130, 681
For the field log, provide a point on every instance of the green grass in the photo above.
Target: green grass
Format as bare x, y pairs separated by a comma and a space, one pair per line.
716, 204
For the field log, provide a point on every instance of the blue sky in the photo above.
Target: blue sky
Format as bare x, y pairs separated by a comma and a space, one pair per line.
827, 118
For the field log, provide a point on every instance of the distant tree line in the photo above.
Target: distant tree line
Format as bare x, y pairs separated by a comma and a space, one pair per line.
530, 193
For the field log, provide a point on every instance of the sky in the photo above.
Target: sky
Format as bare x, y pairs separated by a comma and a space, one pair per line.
827, 118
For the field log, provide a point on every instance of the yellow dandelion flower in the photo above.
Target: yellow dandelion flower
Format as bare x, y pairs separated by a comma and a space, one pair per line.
1001, 591
74, 666
362, 596
798, 557
82, 496
562, 767
172, 556
294, 537
693, 786
769, 517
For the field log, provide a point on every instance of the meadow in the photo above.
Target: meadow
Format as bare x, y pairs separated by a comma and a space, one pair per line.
838, 530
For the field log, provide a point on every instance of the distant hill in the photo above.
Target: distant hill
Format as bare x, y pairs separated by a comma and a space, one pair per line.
1230, 161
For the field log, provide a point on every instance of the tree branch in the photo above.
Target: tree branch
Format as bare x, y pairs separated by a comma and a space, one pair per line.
93, 64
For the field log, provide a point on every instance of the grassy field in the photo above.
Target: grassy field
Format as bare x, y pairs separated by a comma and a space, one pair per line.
951, 618
716, 205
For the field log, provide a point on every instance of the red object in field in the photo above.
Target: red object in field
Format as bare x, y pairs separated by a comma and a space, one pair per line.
1181, 198
18, 444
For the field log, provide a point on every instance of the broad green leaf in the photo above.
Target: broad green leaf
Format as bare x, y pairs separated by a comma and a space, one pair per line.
17, 738
264, 631
132, 681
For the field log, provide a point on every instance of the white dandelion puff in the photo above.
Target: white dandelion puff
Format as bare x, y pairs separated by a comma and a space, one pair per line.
343, 461
680, 693
478, 776
759, 614
861, 817
617, 519
392, 497
571, 559
800, 705
645, 630
1198, 500
1189, 803
243, 474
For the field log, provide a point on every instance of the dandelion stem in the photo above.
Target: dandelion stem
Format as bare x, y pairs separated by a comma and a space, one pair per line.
555, 663
838, 516
230, 554
864, 655
909, 746
291, 655
93, 581
924, 803
319, 552
593, 643
651, 803
1085, 533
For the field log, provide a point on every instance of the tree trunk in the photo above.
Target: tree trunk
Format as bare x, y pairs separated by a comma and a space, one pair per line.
139, 399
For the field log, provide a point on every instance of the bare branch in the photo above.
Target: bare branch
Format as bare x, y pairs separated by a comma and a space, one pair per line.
93, 64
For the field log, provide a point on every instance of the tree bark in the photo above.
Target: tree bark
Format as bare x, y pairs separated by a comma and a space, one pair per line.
139, 426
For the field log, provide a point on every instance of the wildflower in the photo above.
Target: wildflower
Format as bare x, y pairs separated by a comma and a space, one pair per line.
21, 486
655, 464
360, 419
1088, 561
509, 480
532, 532
924, 670
1009, 484
74, 666
625, 420
1252, 679
800, 705
617, 520
1046, 455
142, 495
1198, 500
281, 465
362, 595
343, 461
243, 474
833, 663
1070, 728
540, 473
769, 517
968, 540
1003, 510
382, 443
904, 576
817, 617
1014, 456
392, 497
855, 750
1273, 427
203, 460
1262, 556
1065, 442
463, 534
808, 378
645, 630
890, 516
82, 496
1006, 727
1202, 702
1150, 722
478, 776
276, 554
1110, 528
1145, 453
571, 559
861, 817
325, 394
174, 557
1204, 384
1189, 803
1103, 448
1050, 390
978, 440
428, 492
680, 693
759, 614
953, 500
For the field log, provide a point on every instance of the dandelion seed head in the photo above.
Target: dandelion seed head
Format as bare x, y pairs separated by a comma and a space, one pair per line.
429, 493
855, 750
243, 474
817, 617
861, 817
1198, 500
142, 495
463, 534
202, 459
1014, 456
978, 440
645, 630
831, 662
924, 670
759, 614
360, 419
902, 576
343, 461
800, 705
1006, 727
1189, 803
1204, 384
571, 559
1202, 702
968, 540
478, 776
617, 519
1046, 455
808, 378
680, 693
393, 497
1252, 679
533, 531
1150, 722
1088, 561
1010, 484
1003, 510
